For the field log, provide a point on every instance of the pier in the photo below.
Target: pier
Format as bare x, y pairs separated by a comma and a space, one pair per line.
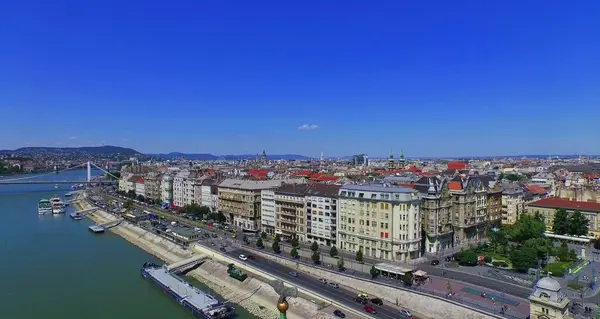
111, 224
186, 263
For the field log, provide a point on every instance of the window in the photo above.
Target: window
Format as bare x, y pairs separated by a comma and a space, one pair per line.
361, 195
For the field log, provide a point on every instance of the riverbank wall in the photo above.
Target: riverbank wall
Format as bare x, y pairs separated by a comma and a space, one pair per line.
255, 295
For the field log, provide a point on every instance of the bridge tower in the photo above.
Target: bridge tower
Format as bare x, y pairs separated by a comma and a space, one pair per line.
89, 171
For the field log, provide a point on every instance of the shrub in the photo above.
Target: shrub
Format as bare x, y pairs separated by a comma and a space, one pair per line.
500, 264
487, 259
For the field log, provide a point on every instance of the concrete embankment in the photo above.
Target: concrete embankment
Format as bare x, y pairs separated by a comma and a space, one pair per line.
255, 295
420, 303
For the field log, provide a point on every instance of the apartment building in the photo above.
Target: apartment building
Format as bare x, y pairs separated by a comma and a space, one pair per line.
166, 189
494, 200
179, 183
436, 212
152, 183
383, 222
240, 201
267, 207
206, 198
321, 213
548, 206
140, 187
290, 211
126, 183
469, 208
513, 204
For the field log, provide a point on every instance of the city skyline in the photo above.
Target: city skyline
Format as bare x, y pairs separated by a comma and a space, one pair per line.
221, 78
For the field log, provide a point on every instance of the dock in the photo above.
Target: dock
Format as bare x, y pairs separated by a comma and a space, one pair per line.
186, 263
96, 229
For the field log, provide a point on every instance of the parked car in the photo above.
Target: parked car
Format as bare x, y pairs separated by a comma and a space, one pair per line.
223, 249
339, 313
293, 274
370, 309
435, 262
377, 301
243, 257
333, 285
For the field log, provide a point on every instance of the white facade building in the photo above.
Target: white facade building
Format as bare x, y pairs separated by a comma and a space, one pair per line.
383, 222
140, 188
178, 188
166, 189
321, 213
267, 207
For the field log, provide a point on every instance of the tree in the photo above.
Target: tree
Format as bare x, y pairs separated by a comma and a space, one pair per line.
374, 272
128, 204
294, 253
219, 217
316, 258
340, 263
513, 177
524, 258
131, 193
468, 257
527, 227
501, 177
543, 246
333, 251
259, 243
562, 252
359, 256
578, 224
314, 246
141, 198
263, 235
277, 238
497, 239
245, 240
560, 225
408, 279
295, 242
276, 248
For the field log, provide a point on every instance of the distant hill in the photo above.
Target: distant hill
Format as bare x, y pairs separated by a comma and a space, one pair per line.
89, 150
212, 157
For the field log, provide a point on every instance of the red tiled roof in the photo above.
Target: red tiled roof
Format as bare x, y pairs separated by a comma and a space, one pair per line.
591, 176
140, 180
456, 165
536, 189
323, 178
257, 172
455, 186
413, 169
557, 202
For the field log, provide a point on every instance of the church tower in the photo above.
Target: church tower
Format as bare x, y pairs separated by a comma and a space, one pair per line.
391, 165
401, 160
548, 301
263, 158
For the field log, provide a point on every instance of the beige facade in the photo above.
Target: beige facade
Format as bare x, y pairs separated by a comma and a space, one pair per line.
290, 211
548, 301
513, 204
436, 212
153, 186
240, 201
469, 209
382, 222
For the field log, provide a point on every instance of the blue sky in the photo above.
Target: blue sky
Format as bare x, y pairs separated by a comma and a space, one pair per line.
442, 78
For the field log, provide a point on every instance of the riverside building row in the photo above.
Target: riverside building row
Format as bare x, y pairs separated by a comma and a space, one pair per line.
400, 222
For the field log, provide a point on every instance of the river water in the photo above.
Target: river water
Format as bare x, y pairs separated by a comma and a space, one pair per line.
54, 268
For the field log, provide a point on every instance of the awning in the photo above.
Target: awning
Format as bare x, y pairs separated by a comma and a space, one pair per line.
420, 273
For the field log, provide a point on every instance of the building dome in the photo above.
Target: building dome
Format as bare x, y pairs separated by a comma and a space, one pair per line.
547, 283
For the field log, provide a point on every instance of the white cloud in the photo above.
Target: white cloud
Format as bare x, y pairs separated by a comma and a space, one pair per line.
308, 127
73, 137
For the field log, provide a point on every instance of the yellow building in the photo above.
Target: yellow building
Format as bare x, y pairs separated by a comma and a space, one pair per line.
548, 301
547, 208
383, 222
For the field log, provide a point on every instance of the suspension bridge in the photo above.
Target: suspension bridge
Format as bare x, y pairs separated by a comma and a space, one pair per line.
34, 179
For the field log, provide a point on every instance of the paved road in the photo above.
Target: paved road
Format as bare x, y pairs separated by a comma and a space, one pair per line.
497, 285
340, 295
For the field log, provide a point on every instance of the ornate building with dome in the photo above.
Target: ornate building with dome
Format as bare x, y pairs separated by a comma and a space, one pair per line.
548, 301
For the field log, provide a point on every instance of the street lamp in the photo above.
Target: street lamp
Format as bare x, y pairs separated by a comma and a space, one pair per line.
284, 293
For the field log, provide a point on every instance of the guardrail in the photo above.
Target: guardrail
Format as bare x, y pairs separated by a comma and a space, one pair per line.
421, 291
307, 291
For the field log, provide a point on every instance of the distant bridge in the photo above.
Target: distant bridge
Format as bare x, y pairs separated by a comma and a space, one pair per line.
30, 179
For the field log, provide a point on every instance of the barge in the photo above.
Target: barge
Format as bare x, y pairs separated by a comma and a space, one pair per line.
76, 216
201, 304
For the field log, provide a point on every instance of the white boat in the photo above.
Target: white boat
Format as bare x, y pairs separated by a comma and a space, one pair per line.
56, 186
44, 207
58, 207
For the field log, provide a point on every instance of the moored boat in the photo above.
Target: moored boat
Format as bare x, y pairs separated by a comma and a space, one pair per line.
44, 207
201, 304
58, 207
76, 216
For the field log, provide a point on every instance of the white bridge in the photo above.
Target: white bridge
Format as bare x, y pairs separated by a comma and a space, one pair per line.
33, 179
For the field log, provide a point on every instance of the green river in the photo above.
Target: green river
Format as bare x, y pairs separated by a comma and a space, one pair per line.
54, 268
